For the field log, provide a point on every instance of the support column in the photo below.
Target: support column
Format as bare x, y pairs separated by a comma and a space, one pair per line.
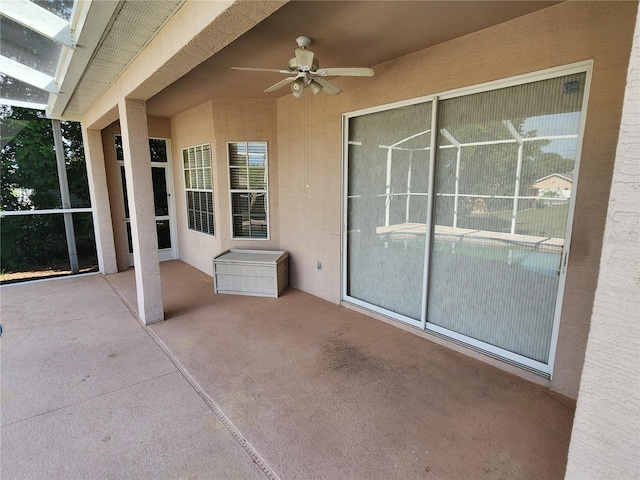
64, 196
605, 441
137, 166
97, 176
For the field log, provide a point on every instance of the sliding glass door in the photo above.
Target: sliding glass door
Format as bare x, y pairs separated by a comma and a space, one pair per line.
481, 260
387, 193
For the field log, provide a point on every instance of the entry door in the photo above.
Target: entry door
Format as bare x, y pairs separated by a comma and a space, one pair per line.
468, 239
162, 189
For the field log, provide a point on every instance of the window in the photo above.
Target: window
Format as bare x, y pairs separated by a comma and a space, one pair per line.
248, 189
196, 162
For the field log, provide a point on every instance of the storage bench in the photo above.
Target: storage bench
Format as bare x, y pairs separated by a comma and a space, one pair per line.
261, 273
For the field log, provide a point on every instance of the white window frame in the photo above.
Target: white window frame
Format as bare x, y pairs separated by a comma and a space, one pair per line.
264, 191
189, 189
164, 254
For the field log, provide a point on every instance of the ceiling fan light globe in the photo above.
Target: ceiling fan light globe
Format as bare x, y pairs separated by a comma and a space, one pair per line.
315, 87
297, 88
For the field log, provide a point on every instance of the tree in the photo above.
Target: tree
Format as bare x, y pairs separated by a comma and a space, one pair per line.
491, 169
28, 160
29, 181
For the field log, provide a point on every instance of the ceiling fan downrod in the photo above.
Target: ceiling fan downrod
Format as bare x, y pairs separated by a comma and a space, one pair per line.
303, 41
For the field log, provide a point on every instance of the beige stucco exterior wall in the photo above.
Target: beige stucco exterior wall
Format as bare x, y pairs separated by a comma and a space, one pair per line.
310, 172
605, 442
305, 149
310, 139
159, 128
188, 129
97, 179
218, 122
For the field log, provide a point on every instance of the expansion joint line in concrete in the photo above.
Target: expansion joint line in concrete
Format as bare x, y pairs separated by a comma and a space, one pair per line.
246, 446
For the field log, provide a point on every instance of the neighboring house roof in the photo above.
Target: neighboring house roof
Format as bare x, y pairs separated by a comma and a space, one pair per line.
565, 176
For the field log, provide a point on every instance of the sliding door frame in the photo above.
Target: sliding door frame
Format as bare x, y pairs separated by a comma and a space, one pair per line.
545, 369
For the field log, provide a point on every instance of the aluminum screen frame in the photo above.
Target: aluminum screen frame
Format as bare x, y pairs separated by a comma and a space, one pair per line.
539, 367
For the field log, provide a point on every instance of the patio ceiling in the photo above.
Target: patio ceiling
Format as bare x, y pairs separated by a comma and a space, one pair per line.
78, 49
344, 33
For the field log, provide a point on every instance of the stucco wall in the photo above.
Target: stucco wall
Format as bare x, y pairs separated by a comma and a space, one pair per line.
305, 149
309, 139
218, 122
606, 432
190, 128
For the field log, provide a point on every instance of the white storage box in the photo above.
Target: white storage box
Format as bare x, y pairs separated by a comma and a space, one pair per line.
261, 273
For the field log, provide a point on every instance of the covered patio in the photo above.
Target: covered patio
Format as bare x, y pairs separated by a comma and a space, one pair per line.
396, 352
245, 387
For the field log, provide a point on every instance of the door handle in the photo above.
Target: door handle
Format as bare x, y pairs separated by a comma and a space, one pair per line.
564, 258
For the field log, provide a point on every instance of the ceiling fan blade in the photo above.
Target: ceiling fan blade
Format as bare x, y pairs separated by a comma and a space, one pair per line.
327, 86
304, 58
252, 69
280, 84
345, 72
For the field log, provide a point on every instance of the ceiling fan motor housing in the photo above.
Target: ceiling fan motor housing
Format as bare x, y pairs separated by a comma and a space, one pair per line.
303, 41
293, 65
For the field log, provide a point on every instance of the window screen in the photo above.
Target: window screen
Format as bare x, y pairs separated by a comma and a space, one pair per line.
248, 180
196, 162
482, 262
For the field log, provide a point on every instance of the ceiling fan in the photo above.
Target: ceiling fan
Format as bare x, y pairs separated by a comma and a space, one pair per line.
304, 72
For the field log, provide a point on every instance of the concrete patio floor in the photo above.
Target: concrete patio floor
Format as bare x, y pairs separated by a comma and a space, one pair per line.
246, 387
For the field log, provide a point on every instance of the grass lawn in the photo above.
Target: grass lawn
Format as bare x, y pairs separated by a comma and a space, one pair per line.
548, 221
